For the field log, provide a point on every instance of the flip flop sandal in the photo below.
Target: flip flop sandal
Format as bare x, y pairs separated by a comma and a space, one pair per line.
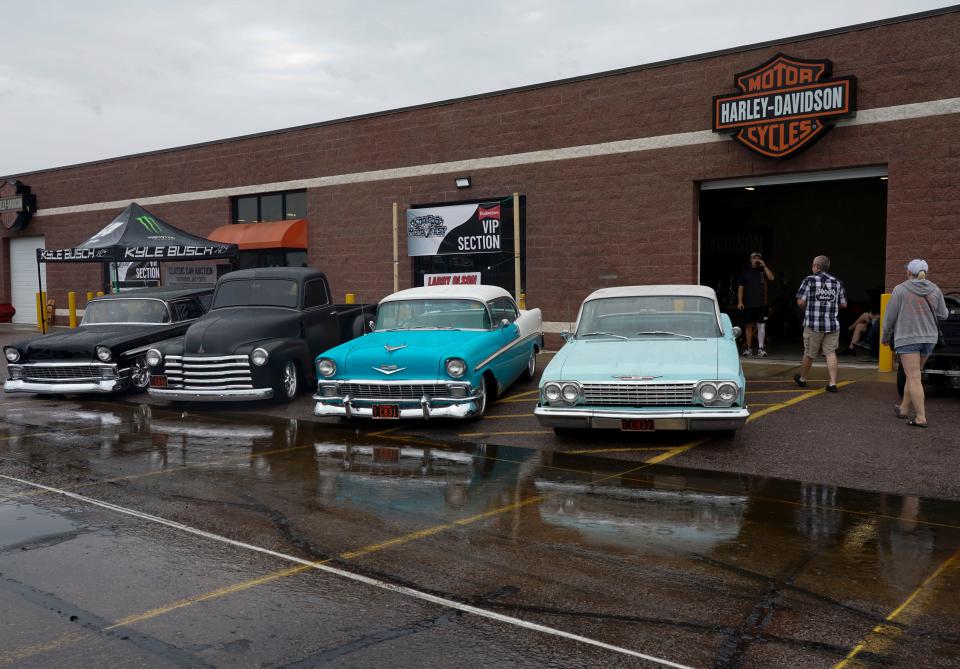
913, 423
896, 412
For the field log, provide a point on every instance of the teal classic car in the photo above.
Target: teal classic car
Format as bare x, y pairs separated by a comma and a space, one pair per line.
435, 352
646, 358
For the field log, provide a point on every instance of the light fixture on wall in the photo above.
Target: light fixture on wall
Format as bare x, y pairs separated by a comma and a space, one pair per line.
463, 182
749, 188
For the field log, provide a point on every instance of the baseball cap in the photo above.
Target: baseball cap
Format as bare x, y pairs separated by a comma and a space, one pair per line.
917, 265
756, 254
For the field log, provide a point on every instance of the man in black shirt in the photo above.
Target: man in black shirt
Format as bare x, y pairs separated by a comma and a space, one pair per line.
753, 301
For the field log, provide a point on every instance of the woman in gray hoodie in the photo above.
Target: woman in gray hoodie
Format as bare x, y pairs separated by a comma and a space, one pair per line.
911, 322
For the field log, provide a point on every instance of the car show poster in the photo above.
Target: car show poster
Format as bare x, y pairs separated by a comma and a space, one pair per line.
145, 274
456, 229
455, 279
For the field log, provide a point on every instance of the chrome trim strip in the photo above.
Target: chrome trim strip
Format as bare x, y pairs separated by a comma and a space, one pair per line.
204, 358
515, 342
418, 413
389, 382
222, 365
63, 364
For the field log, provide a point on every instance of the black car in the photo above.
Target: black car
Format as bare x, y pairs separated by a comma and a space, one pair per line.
107, 352
259, 339
943, 366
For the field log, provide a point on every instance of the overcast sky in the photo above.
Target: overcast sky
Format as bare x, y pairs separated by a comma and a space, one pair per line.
82, 81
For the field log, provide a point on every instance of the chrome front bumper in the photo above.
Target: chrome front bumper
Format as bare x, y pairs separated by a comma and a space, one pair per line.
699, 418
424, 408
20, 386
241, 395
422, 412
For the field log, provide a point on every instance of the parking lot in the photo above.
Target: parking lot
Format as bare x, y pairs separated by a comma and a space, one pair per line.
170, 535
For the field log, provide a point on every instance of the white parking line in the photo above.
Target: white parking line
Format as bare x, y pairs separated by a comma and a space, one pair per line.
403, 590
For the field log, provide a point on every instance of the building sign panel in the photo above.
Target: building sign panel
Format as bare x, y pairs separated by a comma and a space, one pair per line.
784, 105
455, 229
190, 276
17, 205
456, 279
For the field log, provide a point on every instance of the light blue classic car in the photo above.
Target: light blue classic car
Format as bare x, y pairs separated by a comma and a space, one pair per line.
435, 352
647, 358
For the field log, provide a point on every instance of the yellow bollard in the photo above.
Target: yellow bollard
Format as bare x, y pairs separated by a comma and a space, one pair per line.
885, 358
522, 302
99, 293
351, 298
72, 308
89, 295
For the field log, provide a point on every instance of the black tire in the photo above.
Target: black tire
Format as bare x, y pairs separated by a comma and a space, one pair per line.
287, 383
531, 371
484, 400
139, 375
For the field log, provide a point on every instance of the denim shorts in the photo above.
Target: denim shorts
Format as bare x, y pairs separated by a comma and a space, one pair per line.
922, 349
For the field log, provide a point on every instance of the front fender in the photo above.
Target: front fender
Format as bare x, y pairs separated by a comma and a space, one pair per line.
283, 349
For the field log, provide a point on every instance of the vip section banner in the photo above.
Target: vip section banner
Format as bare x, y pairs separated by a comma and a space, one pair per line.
458, 229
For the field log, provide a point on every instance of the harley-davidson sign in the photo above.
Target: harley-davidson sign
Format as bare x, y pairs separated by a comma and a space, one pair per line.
17, 205
784, 105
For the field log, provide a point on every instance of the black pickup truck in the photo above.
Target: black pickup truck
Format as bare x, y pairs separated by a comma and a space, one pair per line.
259, 339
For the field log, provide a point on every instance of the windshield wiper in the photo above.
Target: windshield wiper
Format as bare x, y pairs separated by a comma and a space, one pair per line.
603, 334
664, 332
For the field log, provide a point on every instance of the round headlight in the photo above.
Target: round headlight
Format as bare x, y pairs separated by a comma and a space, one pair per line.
326, 367
259, 357
570, 393
12, 354
708, 392
551, 392
727, 392
154, 358
456, 368
103, 353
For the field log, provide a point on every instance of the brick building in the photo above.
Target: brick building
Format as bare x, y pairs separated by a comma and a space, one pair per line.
622, 179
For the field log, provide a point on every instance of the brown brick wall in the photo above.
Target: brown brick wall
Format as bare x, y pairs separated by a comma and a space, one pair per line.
591, 222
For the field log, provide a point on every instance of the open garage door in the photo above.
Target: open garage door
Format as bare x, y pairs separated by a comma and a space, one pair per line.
23, 277
790, 219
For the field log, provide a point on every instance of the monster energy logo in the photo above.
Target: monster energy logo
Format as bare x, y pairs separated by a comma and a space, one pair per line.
150, 223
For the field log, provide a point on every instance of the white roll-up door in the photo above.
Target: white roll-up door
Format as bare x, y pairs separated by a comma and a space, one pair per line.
23, 277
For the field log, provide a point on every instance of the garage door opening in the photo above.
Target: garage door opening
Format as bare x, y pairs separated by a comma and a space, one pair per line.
790, 224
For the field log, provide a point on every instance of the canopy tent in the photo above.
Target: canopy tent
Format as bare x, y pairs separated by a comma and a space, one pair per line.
136, 235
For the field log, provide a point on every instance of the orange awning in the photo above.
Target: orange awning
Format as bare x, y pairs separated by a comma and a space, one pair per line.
266, 235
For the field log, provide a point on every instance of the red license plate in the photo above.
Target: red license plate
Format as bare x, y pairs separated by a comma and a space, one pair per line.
637, 425
158, 381
386, 411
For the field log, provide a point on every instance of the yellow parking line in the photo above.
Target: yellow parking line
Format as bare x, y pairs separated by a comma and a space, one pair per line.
590, 451
794, 400
761, 404
513, 401
503, 434
518, 395
676, 451
883, 635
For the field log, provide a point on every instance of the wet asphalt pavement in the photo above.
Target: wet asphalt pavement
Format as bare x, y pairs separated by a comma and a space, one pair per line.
233, 537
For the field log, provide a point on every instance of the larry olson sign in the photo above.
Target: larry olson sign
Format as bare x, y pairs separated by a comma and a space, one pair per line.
454, 229
784, 105
458, 279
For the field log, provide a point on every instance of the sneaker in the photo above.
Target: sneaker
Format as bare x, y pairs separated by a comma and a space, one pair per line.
800, 382
761, 353
832, 389
747, 353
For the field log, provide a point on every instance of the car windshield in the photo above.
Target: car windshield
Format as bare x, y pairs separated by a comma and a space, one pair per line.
433, 314
649, 317
125, 310
257, 293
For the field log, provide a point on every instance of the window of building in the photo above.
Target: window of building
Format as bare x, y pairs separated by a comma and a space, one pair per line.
285, 206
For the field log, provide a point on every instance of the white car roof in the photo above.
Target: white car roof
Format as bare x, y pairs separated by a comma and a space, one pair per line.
645, 291
482, 293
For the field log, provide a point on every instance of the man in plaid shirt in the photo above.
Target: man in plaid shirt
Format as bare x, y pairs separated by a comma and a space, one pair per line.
820, 296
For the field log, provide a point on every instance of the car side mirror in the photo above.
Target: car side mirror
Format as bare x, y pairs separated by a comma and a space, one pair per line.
372, 325
737, 332
567, 337
504, 323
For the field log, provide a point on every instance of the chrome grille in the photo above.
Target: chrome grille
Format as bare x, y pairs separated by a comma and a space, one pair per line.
64, 373
393, 391
226, 372
636, 394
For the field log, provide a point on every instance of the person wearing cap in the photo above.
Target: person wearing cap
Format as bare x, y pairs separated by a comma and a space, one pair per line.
753, 302
911, 324
821, 295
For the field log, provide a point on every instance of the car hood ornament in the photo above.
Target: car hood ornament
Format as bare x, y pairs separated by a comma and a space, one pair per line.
389, 369
391, 349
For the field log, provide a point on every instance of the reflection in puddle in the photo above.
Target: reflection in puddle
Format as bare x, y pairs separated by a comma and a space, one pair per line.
25, 522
